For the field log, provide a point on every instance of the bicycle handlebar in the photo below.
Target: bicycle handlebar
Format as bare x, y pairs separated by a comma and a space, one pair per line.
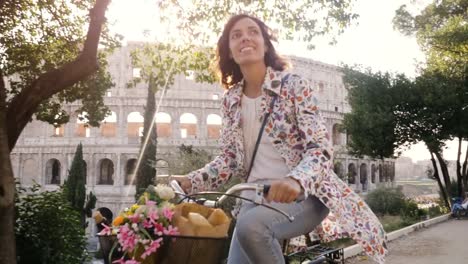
260, 191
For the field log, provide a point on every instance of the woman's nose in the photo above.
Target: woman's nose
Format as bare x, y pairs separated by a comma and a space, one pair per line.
245, 38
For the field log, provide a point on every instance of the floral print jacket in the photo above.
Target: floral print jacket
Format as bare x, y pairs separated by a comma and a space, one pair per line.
297, 131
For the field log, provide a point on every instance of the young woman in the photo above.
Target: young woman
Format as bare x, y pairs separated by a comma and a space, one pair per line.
294, 154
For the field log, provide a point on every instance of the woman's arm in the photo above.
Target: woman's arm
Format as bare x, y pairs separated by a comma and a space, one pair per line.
317, 158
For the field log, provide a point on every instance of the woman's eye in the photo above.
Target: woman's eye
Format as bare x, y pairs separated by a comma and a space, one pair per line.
235, 36
253, 32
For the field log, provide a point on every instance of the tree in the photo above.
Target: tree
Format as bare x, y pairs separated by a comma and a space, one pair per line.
44, 52
75, 187
442, 33
188, 159
158, 64
371, 123
301, 21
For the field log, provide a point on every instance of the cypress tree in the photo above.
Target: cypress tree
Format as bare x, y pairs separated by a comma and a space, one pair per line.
75, 189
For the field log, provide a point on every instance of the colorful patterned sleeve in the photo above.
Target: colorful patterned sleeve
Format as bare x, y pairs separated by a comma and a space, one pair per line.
317, 158
224, 166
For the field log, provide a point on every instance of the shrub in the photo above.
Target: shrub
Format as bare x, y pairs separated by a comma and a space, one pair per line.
386, 201
47, 228
410, 213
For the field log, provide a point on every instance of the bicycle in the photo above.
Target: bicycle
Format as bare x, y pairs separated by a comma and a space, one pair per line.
209, 250
313, 253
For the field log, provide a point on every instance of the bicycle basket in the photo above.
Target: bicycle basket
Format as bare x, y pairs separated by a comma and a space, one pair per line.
178, 250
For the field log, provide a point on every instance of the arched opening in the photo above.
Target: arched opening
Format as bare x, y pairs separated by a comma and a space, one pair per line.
188, 125
53, 168
109, 125
163, 125
336, 135
381, 179
373, 169
106, 172
352, 173
213, 122
363, 176
130, 171
135, 123
59, 130
82, 127
338, 168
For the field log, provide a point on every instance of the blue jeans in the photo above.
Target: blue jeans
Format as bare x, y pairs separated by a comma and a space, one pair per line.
260, 231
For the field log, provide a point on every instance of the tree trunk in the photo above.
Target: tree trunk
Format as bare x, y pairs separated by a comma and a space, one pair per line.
445, 173
7, 188
443, 190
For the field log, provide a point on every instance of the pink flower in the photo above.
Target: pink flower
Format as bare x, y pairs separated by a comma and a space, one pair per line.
106, 231
134, 218
132, 261
150, 203
170, 231
119, 261
155, 244
168, 213
127, 238
158, 229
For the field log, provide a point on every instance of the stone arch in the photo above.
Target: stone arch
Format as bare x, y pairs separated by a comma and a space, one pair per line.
163, 125
336, 134
338, 168
53, 171
213, 124
363, 176
106, 172
381, 179
82, 127
373, 169
188, 125
135, 123
109, 125
130, 168
352, 173
162, 167
30, 170
392, 172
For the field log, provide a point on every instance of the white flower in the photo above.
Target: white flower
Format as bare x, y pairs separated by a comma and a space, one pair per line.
164, 192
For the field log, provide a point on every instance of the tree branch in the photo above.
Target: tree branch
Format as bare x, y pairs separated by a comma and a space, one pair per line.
24, 105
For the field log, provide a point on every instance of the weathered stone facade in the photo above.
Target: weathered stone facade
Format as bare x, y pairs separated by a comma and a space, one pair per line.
189, 114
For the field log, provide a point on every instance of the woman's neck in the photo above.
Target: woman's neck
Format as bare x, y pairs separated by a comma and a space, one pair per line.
254, 76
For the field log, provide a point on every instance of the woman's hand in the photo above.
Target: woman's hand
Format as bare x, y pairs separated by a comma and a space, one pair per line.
186, 184
284, 191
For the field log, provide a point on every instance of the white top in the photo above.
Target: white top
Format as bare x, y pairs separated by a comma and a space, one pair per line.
268, 164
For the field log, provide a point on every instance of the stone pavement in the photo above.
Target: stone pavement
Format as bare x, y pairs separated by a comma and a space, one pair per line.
446, 242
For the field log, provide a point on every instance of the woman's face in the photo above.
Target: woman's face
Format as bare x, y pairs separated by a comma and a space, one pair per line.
246, 43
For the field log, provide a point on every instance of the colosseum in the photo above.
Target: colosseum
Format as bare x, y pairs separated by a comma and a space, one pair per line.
189, 114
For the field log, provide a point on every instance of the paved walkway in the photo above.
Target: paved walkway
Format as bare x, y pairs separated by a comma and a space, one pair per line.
446, 242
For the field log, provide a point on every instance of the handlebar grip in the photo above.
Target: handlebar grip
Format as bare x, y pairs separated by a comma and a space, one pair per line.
266, 189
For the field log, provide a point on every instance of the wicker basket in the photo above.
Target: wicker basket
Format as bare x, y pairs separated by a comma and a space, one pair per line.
177, 250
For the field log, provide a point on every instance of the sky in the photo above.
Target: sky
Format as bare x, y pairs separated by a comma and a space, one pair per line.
370, 42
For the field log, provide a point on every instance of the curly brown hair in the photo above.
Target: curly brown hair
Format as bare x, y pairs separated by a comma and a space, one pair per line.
228, 70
